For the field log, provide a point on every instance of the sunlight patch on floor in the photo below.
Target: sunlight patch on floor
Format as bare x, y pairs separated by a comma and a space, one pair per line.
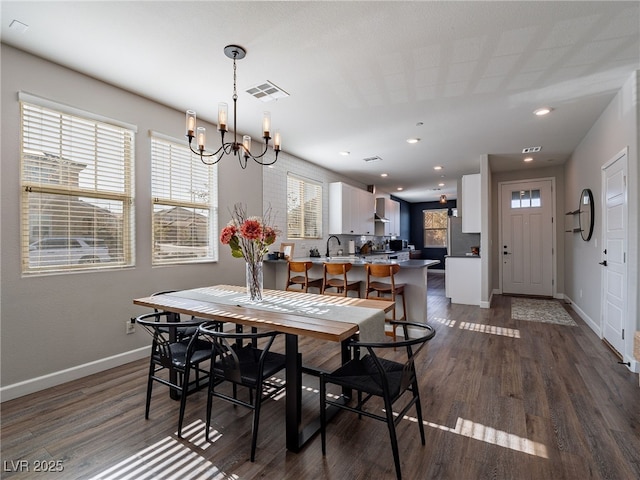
447, 322
491, 329
194, 433
169, 459
479, 327
478, 431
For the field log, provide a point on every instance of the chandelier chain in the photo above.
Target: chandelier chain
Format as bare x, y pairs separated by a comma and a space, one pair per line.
235, 92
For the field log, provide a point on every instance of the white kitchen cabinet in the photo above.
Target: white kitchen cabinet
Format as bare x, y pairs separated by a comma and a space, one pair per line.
351, 210
471, 204
462, 280
389, 209
365, 220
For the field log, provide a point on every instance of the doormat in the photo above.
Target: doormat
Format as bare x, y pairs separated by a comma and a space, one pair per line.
538, 310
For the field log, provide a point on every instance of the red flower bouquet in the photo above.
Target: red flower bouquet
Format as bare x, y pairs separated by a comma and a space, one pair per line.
249, 238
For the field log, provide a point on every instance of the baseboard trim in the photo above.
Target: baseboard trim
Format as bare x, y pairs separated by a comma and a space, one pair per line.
32, 385
587, 319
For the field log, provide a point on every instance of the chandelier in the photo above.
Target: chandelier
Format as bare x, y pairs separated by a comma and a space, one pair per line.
241, 150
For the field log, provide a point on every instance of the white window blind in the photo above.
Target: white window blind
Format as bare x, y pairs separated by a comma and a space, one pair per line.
77, 193
304, 208
185, 206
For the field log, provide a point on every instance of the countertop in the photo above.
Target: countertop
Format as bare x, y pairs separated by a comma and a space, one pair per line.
359, 262
462, 256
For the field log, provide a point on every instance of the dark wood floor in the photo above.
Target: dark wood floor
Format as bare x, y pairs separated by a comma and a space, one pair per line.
502, 399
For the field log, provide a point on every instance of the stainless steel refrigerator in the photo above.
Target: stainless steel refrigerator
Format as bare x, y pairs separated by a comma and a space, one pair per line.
459, 243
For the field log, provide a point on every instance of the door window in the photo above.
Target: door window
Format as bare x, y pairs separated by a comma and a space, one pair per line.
526, 199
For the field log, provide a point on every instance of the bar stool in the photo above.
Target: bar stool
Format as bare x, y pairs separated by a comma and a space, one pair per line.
381, 288
303, 280
329, 279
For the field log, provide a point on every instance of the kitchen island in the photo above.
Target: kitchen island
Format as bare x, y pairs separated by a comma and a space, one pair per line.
413, 273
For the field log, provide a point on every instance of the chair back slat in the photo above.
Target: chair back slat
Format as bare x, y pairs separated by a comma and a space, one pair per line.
225, 352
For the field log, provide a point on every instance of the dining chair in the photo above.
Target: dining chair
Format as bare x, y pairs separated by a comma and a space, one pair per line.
385, 270
249, 365
375, 376
174, 356
301, 281
181, 332
335, 276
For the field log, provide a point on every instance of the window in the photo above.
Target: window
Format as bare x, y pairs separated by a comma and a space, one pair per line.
435, 228
304, 208
185, 202
77, 193
526, 199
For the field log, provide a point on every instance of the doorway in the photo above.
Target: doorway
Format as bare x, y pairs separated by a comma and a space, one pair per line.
527, 237
614, 266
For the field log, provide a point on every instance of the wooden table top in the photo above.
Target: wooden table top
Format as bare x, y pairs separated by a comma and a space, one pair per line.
254, 316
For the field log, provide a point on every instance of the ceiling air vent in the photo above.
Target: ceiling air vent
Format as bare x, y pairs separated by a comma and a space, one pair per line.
531, 149
267, 91
372, 159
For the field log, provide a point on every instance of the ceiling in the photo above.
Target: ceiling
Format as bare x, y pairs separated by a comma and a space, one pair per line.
363, 77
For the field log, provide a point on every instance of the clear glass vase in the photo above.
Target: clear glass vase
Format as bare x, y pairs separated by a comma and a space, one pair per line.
254, 281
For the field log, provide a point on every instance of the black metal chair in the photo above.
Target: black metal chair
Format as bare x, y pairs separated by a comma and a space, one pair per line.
375, 376
177, 355
243, 364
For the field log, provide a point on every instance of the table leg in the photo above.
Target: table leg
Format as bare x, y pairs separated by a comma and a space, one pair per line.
296, 434
293, 388
173, 375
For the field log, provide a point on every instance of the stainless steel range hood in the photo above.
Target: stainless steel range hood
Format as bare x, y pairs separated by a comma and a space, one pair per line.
378, 218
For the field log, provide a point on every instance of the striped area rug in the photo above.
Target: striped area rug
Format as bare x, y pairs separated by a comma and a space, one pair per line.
540, 310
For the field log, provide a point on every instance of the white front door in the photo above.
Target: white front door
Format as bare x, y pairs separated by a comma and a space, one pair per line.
614, 267
526, 247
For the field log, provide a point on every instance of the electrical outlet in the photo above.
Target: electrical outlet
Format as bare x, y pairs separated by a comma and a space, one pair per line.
129, 327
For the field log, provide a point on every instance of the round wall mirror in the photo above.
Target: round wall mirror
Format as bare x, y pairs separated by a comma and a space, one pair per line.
586, 214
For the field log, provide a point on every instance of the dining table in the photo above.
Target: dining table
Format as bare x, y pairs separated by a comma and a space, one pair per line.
295, 314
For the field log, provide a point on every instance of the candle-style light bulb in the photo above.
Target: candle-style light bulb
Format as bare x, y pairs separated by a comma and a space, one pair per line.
201, 138
276, 141
246, 143
191, 122
266, 124
223, 110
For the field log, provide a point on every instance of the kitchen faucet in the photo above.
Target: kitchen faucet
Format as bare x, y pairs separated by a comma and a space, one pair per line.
330, 237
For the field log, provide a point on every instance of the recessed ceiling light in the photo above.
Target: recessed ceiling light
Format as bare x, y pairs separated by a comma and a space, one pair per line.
438, 167
543, 111
441, 184
345, 153
400, 189
413, 140
384, 174
528, 159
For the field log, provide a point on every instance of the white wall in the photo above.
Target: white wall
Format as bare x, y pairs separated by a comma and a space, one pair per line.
617, 128
59, 323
